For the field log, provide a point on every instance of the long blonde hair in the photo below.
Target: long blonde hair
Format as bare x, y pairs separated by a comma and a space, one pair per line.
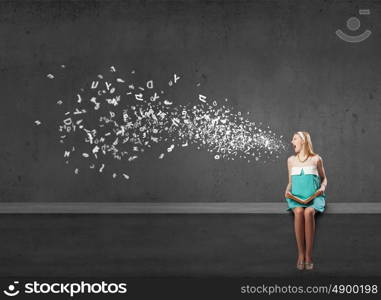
308, 148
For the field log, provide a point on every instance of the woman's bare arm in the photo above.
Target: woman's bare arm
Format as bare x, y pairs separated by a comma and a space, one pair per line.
321, 171
288, 188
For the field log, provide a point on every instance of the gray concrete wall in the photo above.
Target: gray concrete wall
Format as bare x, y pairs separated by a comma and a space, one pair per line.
279, 60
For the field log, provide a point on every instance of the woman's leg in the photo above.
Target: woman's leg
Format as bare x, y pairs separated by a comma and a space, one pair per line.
299, 231
309, 217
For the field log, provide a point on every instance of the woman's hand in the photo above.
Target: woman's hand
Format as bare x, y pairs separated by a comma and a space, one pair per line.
287, 194
321, 189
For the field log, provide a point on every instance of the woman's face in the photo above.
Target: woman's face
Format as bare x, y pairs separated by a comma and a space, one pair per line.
297, 143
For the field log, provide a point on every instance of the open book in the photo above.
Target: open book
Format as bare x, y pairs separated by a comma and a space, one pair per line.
291, 196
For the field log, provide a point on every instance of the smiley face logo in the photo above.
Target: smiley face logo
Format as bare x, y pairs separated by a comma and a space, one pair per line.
12, 291
353, 24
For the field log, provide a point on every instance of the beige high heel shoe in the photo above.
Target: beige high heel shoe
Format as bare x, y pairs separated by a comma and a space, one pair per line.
309, 265
300, 265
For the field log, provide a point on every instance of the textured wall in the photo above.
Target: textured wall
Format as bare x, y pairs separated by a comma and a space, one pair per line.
279, 60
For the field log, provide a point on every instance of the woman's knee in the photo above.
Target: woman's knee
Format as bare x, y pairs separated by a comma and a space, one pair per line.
298, 211
309, 212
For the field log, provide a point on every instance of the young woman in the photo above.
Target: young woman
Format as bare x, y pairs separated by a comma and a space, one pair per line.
306, 175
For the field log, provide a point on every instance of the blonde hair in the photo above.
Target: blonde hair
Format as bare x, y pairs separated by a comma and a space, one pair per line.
308, 148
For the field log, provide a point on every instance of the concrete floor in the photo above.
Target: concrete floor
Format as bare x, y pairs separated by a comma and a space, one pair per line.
205, 245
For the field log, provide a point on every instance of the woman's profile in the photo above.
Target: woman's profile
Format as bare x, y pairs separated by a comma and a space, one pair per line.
306, 175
